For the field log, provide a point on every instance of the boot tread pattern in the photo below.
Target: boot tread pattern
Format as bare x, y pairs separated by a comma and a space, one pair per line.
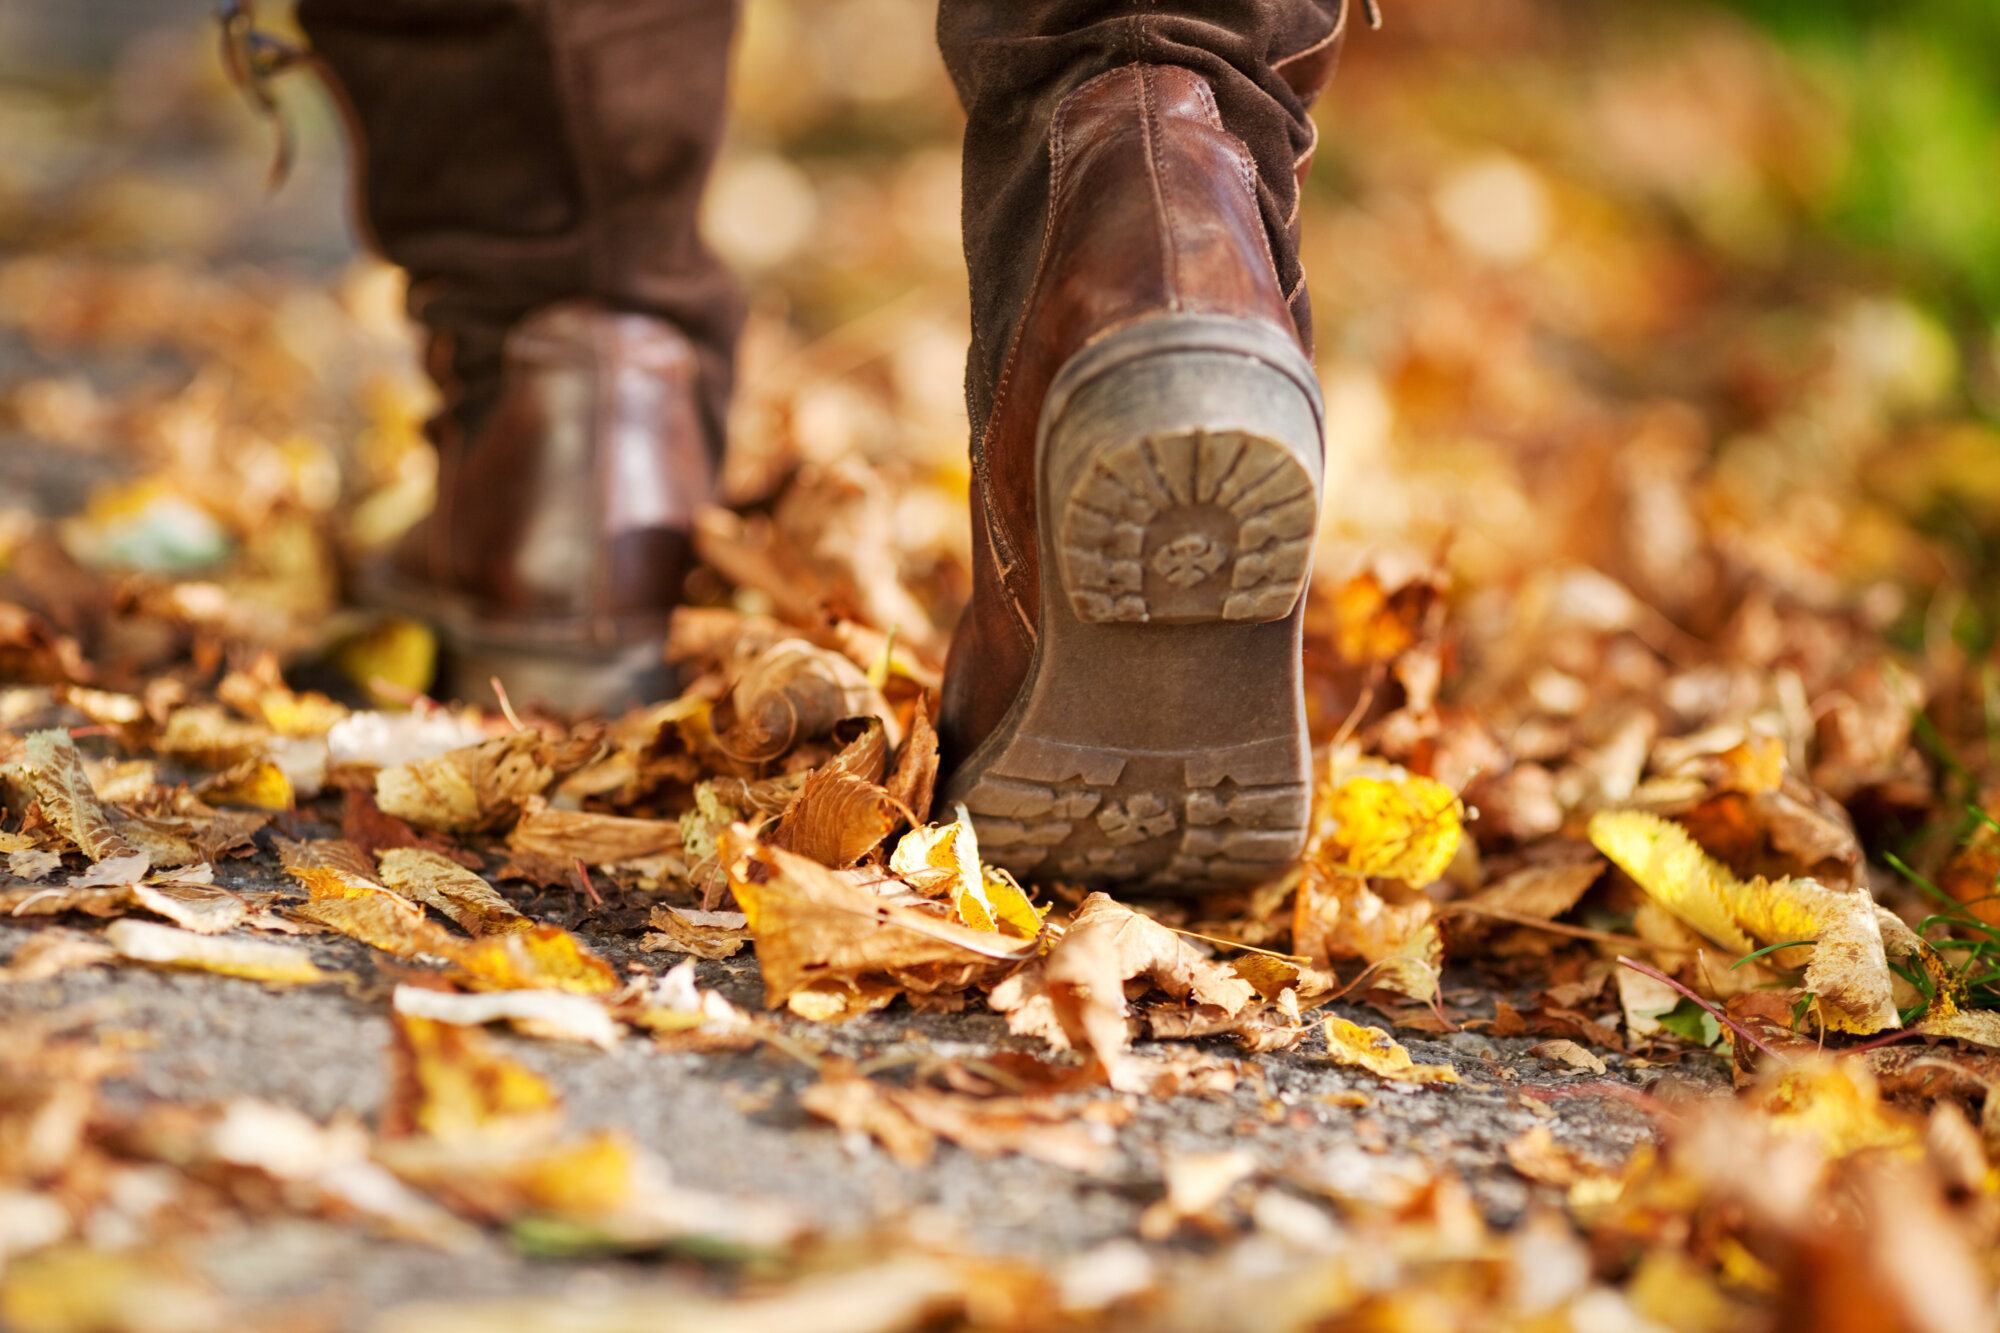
1169, 820
1188, 526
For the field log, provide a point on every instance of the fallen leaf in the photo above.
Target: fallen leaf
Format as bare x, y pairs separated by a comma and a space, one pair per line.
914, 780
256, 960
569, 836
811, 925
1406, 829
448, 1082
49, 953
533, 957
55, 771
942, 860
1537, 1155
1848, 967
540, 1013
793, 692
202, 908
710, 935
1196, 1183
449, 888
1564, 1051
257, 783
1377, 1052
908, 1121
837, 819
465, 791
1075, 996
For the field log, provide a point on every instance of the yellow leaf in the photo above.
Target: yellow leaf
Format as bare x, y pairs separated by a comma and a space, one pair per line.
1839, 1103
1405, 830
585, 1177
535, 957
70, 1288
259, 784
1377, 1052
542, 957
944, 859
393, 661
1848, 967
1674, 871
450, 1083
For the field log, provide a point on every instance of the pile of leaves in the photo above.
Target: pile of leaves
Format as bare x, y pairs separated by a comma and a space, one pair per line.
1651, 700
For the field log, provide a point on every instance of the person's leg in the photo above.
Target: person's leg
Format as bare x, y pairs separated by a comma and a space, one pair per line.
536, 166
1123, 698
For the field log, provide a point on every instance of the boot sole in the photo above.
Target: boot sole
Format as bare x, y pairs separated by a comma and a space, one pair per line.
1160, 737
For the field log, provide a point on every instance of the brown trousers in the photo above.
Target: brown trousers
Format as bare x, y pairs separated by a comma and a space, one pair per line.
512, 153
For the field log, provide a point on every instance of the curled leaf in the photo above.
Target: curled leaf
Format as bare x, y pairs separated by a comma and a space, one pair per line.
794, 692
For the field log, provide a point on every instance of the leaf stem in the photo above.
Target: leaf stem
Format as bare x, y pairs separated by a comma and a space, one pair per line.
1645, 969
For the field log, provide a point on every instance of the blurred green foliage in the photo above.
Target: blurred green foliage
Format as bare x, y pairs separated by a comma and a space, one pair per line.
1919, 81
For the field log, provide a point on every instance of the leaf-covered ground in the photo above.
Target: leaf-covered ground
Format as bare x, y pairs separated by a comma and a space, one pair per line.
1640, 973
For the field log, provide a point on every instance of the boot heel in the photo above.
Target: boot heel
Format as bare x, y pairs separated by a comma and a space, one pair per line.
1182, 462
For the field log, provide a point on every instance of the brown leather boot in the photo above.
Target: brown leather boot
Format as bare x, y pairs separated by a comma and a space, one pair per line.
1125, 690
536, 166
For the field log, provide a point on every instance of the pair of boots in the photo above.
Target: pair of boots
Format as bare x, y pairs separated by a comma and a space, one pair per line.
1122, 699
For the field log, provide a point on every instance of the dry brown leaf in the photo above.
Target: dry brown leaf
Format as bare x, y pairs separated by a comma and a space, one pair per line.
440, 883
476, 788
1537, 1155
163, 842
1564, 1051
202, 908
1538, 892
914, 780
569, 836
698, 933
837, 820
1196, 1183
1338, 915
208, 736
1075, 996
811, 925
908, 1121
55, 771
866, 755
50, 952
794, 692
